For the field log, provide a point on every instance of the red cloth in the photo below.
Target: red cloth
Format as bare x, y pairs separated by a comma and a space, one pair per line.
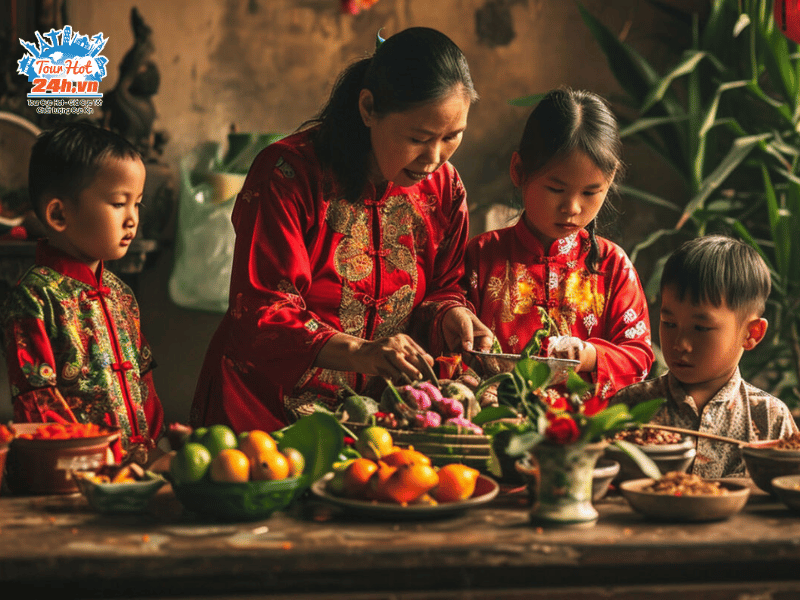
510, 275
308, 264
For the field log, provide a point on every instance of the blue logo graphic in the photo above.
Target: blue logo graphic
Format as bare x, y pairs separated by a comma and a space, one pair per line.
65, 65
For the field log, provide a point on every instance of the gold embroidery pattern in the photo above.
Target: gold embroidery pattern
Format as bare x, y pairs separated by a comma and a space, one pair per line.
517, 292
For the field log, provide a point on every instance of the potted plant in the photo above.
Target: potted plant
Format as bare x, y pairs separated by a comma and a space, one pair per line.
565, 429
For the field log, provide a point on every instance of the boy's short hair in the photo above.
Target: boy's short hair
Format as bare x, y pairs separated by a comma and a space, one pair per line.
717, 268
65, 159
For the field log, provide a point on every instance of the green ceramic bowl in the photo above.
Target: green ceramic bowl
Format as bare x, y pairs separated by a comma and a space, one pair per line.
130, 497
240, 501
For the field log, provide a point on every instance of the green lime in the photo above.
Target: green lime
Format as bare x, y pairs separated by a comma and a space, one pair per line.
218, 438
197, 434
190, 463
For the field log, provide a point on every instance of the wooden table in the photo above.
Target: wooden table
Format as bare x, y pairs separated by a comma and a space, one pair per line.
56, 543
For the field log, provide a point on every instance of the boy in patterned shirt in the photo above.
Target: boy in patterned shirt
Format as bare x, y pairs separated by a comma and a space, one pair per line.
713, 293
74, 348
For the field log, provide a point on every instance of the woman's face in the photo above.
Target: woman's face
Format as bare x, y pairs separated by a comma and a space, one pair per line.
408, 146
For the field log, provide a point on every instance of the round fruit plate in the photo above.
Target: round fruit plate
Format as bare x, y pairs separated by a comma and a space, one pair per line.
486, 489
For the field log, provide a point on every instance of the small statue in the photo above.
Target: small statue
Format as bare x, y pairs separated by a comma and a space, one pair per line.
128, 109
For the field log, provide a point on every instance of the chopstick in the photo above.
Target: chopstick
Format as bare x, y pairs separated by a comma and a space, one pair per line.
692, 432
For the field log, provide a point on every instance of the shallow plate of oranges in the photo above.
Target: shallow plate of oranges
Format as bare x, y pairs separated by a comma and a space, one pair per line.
486, 489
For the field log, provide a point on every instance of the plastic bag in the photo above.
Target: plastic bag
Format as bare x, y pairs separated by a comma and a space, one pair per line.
205, 238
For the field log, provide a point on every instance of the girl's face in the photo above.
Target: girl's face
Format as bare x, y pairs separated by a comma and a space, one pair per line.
408, 146
563, 197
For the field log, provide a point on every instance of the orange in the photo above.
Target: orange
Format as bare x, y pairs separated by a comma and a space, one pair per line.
456, 483
409, 482
378, 482
374, 442
357, 476
406, 456
269, 466
230, 466
253, 443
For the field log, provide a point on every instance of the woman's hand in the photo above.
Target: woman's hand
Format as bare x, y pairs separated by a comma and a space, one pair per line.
462, 330
573, 348
389, 357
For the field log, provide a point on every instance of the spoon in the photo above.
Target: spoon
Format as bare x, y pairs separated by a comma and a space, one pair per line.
710, 436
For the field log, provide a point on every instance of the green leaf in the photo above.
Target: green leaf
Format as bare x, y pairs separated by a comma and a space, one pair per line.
534, 373
711, 114
686, 66
632, 72
531, 100
319, 438
649, 198
645, 123
644, 411
576, 384
521, 443
739, 150
493, 413
644, 462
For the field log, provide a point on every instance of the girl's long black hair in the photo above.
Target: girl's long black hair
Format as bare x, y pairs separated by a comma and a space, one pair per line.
566, 120
411, 68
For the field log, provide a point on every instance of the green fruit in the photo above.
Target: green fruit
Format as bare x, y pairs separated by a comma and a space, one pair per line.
218, 438
190, 463
198, 434
374, 442
297, 462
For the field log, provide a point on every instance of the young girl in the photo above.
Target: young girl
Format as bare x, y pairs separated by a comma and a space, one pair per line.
550, 271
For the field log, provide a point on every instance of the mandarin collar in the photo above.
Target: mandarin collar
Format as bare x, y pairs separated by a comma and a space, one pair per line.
561, 250
49, 256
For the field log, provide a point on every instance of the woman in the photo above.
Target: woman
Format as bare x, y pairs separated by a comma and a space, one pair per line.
348, 233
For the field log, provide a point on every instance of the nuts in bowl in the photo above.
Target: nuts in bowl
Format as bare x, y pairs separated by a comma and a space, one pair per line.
670, 451
682, 497
770, 459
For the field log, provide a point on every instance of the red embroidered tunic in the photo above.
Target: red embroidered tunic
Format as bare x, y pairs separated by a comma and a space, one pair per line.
308, 264
511, 278
75, 350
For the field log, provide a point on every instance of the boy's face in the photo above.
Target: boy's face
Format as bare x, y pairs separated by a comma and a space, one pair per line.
702, 343
103, 221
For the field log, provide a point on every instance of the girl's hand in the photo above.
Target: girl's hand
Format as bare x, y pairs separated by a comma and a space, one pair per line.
389, 357
573, 348
462, 330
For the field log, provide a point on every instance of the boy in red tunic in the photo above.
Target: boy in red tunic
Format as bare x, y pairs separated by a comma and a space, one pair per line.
73, 343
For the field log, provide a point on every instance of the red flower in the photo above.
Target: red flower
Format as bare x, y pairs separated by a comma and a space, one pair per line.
594, 405
348, 441
562, 430
555, 401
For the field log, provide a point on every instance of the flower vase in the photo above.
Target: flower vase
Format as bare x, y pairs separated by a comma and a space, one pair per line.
565, 483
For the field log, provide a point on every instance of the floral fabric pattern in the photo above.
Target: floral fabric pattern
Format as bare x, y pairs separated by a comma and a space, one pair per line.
75, 350
739, 410
518, 287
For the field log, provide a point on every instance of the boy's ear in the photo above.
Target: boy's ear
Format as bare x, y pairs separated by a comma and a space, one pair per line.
756, 330
517, 170
55, 215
